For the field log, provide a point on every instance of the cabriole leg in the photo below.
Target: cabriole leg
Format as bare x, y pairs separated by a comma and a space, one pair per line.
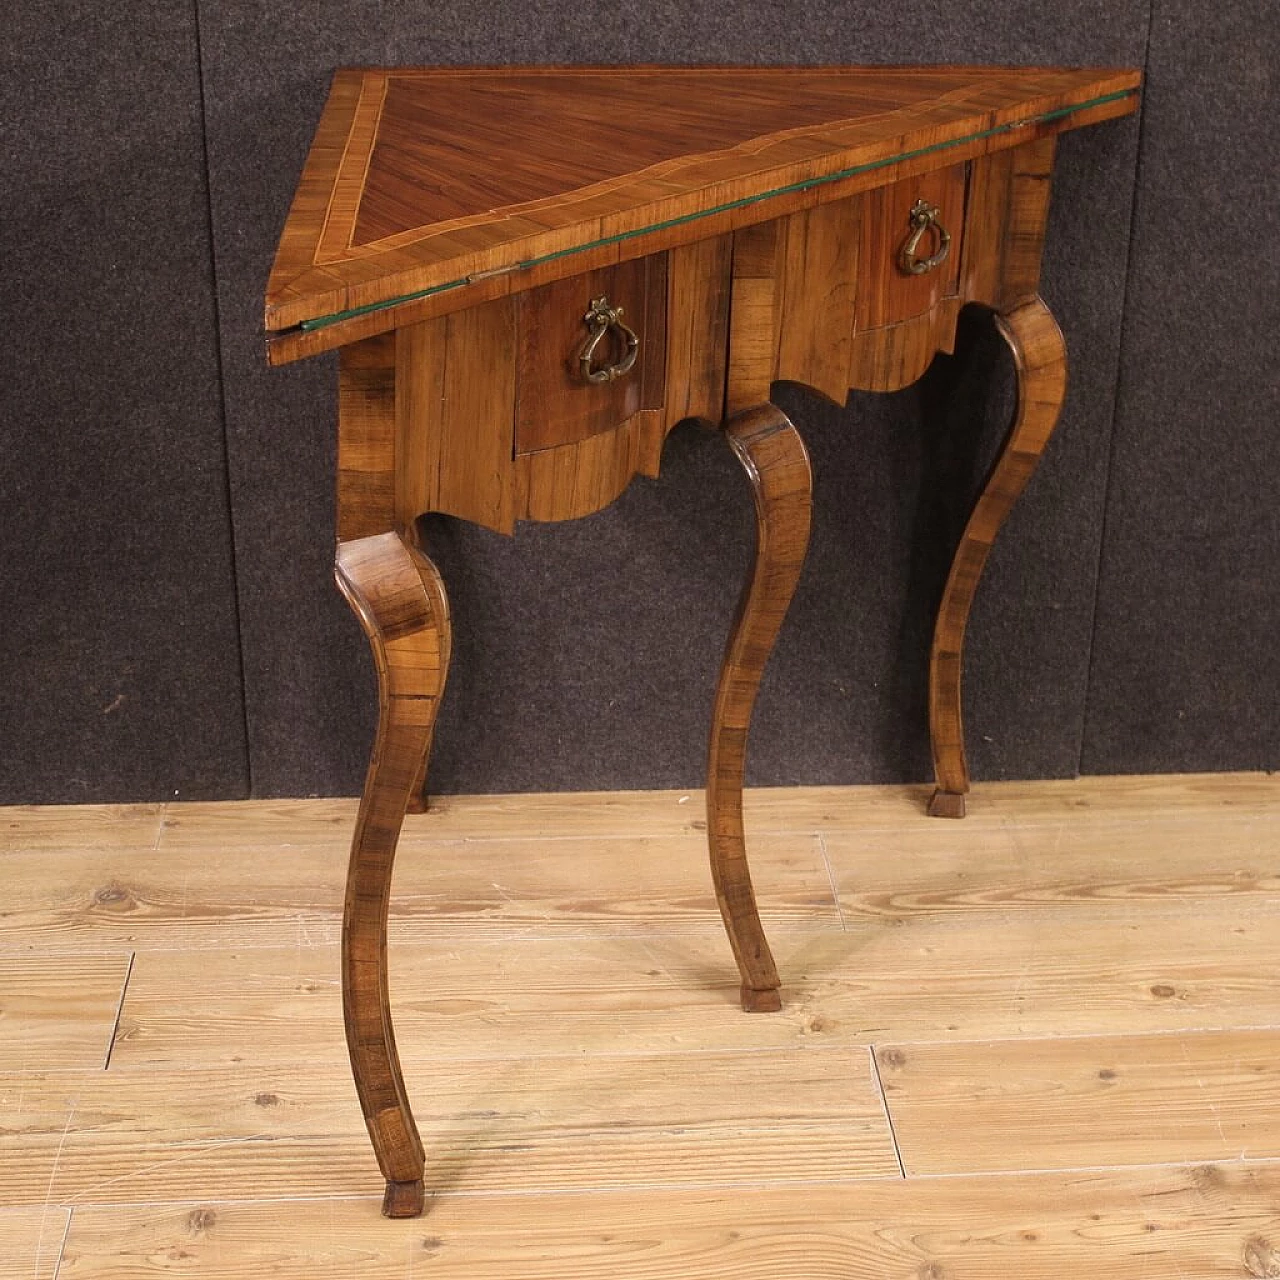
774, 456
397, 594
1040, 358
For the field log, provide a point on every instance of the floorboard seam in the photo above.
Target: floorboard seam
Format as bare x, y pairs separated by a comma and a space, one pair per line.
57, 1162
942, 1175
1053, 1038
888, 1115
516, 1193
62, 1244
115, 1024
831, 879
161, 818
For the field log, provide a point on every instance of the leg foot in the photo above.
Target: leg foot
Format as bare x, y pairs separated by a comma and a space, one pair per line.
767, 1001
399, 599
946, 804
403, 1200
1040, 358
774, 456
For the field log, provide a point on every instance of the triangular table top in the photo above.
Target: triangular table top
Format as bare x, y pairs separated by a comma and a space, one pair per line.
426, 179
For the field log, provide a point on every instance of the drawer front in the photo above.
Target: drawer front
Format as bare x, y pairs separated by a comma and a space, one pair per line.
555, 403
824, 297
887, 292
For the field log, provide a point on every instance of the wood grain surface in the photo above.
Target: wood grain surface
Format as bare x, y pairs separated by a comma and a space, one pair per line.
80, 826
819, 286
490, 1124
908, 872
1213, 1222
1060, 971
698, 330
59, 1009
263, 893
579, 478
454, 417
31, 1242
1068, 999
1006, 217
1079, 802
896, 355
143, 899
688, 152
1094, 1100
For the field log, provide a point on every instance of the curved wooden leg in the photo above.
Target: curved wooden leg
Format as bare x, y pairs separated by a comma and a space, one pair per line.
1041, 360
774, 456
399, 598
419, 801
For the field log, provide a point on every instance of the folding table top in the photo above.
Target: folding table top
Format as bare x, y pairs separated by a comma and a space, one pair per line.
426, 180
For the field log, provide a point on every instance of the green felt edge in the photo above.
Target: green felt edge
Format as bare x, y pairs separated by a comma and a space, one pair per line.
322, 322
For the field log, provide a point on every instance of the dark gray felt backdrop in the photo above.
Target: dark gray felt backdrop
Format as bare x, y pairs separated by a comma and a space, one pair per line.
171, 628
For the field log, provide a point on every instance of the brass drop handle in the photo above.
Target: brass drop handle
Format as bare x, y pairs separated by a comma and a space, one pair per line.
924, 217
602, 317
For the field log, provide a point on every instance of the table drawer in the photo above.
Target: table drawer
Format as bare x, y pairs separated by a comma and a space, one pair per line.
616, 317
906, 268
828, 297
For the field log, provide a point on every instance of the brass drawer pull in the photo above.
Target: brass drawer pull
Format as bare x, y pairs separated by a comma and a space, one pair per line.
600, 318
924, 217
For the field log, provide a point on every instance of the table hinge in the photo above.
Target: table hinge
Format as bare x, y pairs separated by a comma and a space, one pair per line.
494, 271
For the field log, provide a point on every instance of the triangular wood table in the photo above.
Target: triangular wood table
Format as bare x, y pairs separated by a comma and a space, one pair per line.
534, 273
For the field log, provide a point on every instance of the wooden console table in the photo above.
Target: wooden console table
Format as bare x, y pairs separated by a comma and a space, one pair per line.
534, 274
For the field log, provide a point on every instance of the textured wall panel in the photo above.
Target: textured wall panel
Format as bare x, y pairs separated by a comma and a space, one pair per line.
586, 653
1186, 664
119, 648
310, 698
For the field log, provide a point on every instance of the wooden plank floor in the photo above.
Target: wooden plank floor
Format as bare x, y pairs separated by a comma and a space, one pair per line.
1040, 1043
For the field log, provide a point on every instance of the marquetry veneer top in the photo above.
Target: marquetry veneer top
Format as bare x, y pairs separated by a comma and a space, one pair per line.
421, 180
